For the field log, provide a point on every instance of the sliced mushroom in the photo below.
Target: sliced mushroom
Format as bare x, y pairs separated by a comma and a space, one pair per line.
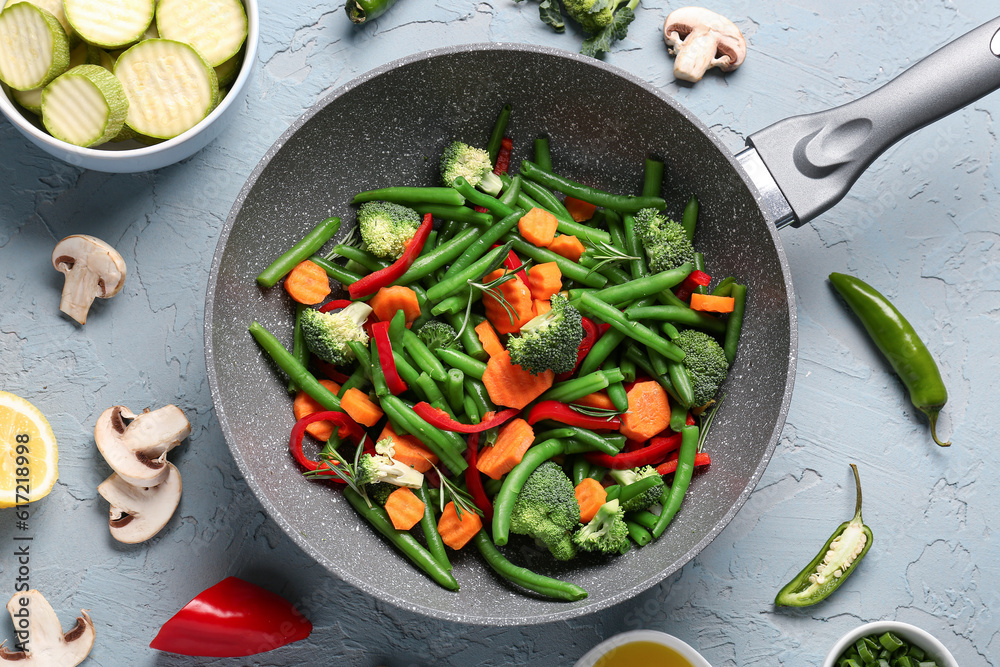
136, 446
93, 269
40, 640
139, 512
701, 40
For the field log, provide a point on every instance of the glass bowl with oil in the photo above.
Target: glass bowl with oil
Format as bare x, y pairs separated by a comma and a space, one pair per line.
642, 647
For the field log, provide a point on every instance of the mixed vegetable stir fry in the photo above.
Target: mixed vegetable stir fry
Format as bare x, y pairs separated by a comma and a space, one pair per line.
509, 362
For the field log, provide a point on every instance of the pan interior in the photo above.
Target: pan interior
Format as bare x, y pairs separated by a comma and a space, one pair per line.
388, 129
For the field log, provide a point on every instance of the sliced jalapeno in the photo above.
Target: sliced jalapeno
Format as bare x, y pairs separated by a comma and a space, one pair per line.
834, 562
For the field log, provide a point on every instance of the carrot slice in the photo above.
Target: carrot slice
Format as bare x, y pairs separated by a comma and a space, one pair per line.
513, 386
538, 227
516, 293
540, 307
456, 532
648, 411
304, 405
712, 304
513, 440
488, 337
544, 280
388, 300
360, 408
568, 246
590, 495
580, 211
596, 400
307, 283
404, 508
409, 450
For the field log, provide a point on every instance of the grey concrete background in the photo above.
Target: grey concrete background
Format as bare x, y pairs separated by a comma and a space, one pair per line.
920, 225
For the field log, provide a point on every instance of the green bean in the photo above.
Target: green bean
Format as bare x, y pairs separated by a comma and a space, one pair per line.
681, 379
364, 360
582, 192
496, 136
357, 380
543, 158
448, 229
423, 357
607, 269
598, 473
299, 349
288, 260
689, 220
565, 222
402, 540
430, 244
571, 390
378, 375
549, 201
672, 499
511, 192
454, 381
468, 339
735, 322
581, 468
639, 535
397, 325
339, 273
634, 330
471, 411
412, 195
461, 278
680, 315
616, 391
644, 518
465, 363
362, 257
626, 366
480, 395
649, 285
434, 394
435, 439
295, 370
457, 303
652, 182
725, 287
612, 492
441, 256
435, 545
609, 444
668, 298
633, 246
354, 267
409, 374
460, 214
630, 491
638, 357
699, 265
503, 505
480, 246
494, 205
547, 586
600, 351
569, 268
424, 308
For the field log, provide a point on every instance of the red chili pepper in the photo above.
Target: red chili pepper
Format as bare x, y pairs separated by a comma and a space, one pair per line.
591, 333
443, 420
694, 280
336, 304
474, 480
700, 459
233, 618
503, 157
339, 419
657, 449
385, 277
563, 413
380, 332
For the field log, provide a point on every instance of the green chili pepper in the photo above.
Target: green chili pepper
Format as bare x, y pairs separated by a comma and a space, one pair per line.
833, 564
900, 344
360, 11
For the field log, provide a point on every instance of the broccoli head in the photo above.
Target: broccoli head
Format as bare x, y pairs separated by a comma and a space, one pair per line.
327, 334
436, 334
606, 533
386, 227
706, 362
592, 15
665, 241
546, 509
645, 499
549, 341
378, 492
380, 468
473, 163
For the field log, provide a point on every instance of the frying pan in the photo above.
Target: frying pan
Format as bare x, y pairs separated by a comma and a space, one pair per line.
388, 127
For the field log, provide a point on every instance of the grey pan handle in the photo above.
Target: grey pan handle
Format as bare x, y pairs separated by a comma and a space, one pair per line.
816, 158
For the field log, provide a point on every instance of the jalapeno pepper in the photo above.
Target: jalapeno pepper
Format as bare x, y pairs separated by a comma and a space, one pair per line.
833, 564
900, 344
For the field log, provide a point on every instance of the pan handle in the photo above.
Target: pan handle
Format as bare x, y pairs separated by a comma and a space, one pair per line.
816, 158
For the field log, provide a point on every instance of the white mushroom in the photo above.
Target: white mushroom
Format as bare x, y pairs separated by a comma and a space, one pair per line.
40, 640
702, 39
136, 446
139, 512
93, 269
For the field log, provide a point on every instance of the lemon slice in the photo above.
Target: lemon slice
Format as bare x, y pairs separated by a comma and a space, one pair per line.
28, 454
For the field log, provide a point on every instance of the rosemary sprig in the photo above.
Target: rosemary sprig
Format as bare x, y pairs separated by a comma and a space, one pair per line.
463, 501
607, 413
605, 253
705, 422
343, 469
492, 288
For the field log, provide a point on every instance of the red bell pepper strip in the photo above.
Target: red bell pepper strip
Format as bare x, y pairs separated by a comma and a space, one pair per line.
503, 157
385, 277
694, 280
336, 304
339, 419
443, 420
474, 480
655, 452
233, 618
563, 413
700, 459
331, 371
591, 332
380, 332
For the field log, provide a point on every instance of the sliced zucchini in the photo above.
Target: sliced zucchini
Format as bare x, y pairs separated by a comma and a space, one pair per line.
216, 28
227, 71
34, 48
86, 106
106, 60
169, 86
110, 23
29, 99
54, 7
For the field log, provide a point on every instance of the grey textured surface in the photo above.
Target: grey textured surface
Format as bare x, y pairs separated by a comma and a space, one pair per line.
919, 225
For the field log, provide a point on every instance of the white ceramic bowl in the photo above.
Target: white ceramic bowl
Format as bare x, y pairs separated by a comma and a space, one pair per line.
661, 638
908, 633
130, 156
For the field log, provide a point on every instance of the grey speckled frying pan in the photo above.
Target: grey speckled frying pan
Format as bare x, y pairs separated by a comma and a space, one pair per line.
403, 114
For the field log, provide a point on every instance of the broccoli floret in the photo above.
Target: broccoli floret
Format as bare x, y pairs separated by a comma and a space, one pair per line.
546, 509
592, 15
379, 492
645, 499
665, 241
327, 334
460, 159
386, 227
706, 362
606, 532
549, 341
436, 334
380, 468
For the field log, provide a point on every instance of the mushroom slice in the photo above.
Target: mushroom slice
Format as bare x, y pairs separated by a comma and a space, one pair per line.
40, 640
701, 40
93, 269
135, 446
139, 512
